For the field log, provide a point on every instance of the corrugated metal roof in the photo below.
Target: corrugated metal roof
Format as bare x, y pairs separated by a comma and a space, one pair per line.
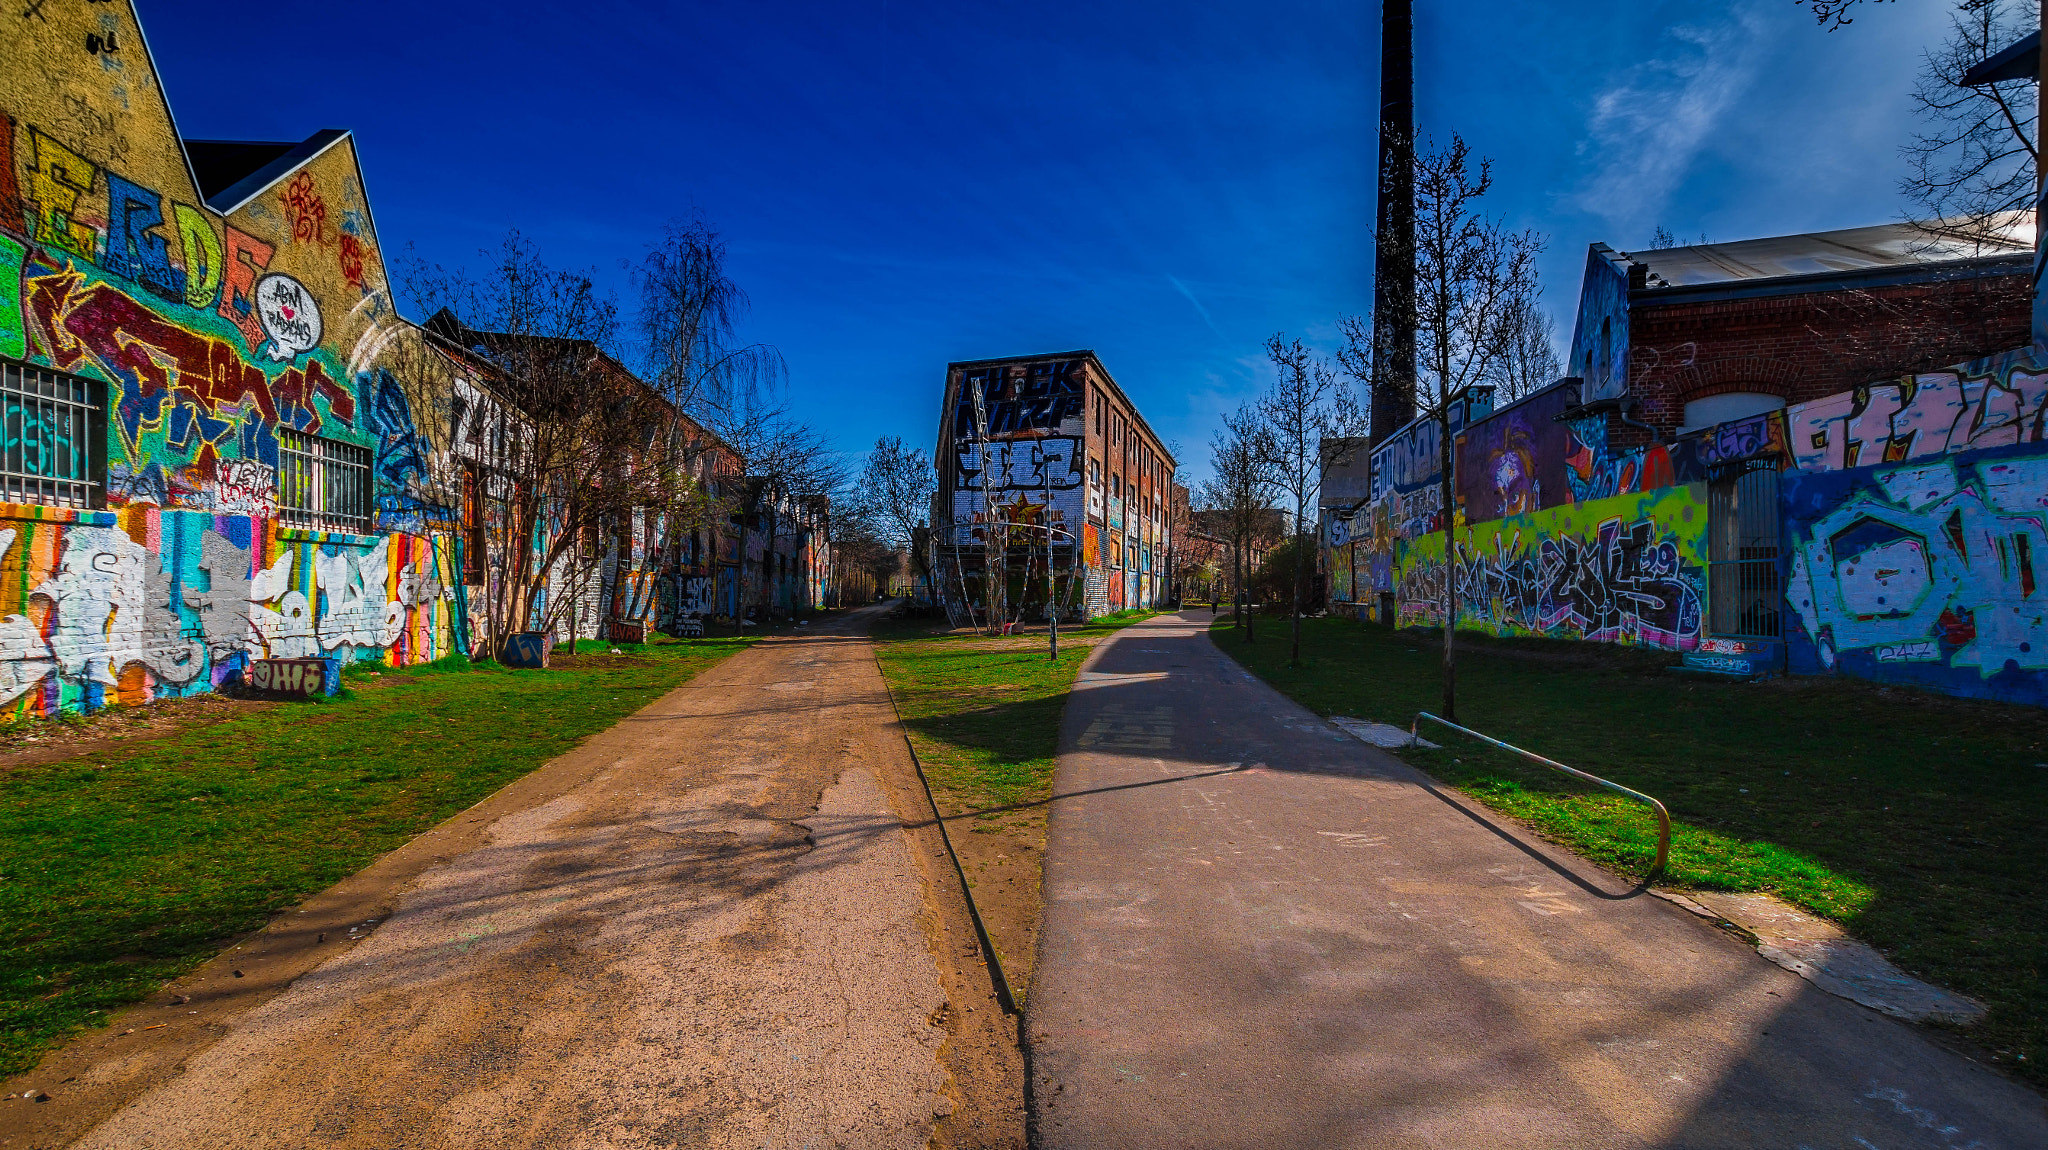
1850, 249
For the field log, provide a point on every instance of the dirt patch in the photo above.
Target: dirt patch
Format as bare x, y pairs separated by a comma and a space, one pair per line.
631, 832
27, 742
1004, 857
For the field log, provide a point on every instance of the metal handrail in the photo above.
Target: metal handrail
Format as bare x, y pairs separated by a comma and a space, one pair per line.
1663, 816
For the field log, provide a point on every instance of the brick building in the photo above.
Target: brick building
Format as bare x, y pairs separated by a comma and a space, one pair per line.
1714, 332
1062, 462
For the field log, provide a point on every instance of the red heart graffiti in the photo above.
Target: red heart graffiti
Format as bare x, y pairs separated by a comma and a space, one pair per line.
288, 312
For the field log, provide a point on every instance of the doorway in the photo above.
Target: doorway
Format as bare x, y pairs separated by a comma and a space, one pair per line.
1745, 587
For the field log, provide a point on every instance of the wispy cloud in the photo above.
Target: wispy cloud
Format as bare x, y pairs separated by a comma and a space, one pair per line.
1653, 119
1183, 289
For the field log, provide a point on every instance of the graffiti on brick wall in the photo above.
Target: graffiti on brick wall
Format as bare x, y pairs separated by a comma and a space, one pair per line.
1594, 472
105, 615
1934, 572
1625, 570
1028, 465
1996, 402
1024, 400
207, 346
695, 605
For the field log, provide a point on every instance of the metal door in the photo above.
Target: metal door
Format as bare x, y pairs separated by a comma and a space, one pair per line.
1743, 581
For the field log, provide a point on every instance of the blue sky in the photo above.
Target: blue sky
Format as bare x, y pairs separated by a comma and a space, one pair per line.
903, 184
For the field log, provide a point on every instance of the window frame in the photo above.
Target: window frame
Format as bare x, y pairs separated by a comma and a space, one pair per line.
68, 401
321, 472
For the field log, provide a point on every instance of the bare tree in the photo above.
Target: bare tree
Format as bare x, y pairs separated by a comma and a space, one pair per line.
895, 492
1470, 273
1306, 407
688, 324
1833, 14
561, 440
1238, 490
1527, 361
1971, 171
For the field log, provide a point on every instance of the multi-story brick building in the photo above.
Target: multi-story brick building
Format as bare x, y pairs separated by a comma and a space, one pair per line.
1061, 461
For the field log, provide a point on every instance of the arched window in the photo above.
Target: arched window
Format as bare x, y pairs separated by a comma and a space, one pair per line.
1729, 405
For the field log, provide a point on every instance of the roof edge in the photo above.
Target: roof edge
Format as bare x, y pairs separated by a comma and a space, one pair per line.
237, 196
1882, 275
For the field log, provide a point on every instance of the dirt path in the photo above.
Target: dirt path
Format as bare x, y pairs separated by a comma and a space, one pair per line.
1261, 932
706, 926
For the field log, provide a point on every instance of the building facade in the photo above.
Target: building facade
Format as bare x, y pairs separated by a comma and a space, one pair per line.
1890, 530
222, 444
1046, 466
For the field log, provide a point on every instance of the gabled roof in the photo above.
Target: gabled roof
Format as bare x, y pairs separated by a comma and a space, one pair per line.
230, 173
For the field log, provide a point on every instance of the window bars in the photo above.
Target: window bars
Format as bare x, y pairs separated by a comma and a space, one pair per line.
47, 420
322, 484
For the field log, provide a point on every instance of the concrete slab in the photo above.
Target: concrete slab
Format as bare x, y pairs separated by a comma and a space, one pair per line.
1825, 955
1379, 734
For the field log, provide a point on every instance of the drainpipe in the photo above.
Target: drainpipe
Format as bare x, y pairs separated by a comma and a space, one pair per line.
1621, 413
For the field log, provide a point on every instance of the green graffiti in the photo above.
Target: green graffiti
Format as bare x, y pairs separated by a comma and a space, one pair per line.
13, 328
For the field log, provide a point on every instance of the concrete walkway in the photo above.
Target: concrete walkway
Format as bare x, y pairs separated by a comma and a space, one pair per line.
1260, 932
705, 927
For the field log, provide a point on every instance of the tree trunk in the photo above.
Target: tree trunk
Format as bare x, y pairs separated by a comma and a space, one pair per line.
1244, 598
1237, 584
1300, 544
1448, 487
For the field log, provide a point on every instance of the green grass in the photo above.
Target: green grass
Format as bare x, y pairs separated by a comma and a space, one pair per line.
984, 714
1913, 819
121, 870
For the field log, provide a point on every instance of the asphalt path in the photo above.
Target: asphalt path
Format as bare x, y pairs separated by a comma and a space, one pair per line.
1261, 932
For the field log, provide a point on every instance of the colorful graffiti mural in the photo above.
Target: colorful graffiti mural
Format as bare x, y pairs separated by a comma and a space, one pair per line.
1930, 573
1622, 570
1513, 462
142, 603
1993, 402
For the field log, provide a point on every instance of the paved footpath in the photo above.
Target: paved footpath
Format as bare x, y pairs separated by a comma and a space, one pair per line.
705, 927
1322, 948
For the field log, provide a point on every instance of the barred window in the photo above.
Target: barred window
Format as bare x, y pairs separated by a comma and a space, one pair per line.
323, 484
49, 421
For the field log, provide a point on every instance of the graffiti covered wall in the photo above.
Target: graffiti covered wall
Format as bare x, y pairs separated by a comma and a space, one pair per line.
1630, 569
205, 331
1513, 462
1923, 565
1600, 342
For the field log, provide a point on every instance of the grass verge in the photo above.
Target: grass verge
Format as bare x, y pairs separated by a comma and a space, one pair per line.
1912, 819
984, 716
122, 869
